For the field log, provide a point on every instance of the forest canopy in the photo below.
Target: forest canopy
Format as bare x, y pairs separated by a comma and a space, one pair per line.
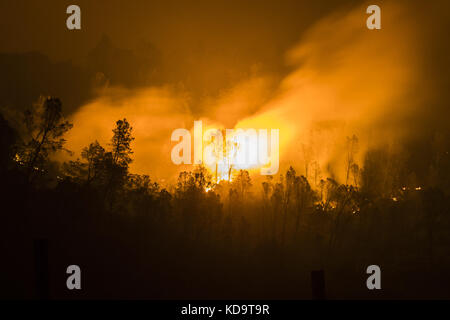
384, 212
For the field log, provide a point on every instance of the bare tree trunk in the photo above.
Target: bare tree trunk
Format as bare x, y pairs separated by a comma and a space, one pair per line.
36, 154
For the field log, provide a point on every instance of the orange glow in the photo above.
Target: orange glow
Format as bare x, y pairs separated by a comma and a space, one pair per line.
345, 80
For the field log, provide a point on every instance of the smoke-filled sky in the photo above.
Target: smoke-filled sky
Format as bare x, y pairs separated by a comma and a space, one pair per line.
309, 68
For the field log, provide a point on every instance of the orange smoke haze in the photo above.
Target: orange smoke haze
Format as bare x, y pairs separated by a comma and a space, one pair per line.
346, 80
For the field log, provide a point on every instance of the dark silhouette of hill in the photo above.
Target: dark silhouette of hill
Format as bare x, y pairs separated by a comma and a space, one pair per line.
26, 76
29, 75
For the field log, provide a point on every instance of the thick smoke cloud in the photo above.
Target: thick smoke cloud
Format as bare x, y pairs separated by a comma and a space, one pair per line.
348, 80
345, 80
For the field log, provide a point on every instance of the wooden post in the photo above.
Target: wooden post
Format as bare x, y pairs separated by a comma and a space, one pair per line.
318, 284
41, 268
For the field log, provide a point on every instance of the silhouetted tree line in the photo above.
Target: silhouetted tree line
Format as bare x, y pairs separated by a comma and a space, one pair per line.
198, 239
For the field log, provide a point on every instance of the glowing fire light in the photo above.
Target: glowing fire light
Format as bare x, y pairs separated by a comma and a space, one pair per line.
239, 149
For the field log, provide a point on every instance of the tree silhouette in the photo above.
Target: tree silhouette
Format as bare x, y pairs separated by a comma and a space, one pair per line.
45, 127
115, 163
94, 155
242, 183
178, 234
352, 149
121, 143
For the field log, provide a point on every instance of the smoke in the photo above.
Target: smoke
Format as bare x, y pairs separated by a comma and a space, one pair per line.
153, 113
345, 80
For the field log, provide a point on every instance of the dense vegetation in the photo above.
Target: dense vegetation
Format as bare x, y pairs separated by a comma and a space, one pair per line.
197, 239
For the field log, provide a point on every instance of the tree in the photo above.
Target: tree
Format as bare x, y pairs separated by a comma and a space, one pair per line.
352, 149
94, 155
115, 164
242, 182
121, 143
45, 128
96, 167
202, 178
194, 183
75, 170
304, 197
356, 173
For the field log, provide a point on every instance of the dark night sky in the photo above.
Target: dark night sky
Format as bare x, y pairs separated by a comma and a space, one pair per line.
203, 45
169, 25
